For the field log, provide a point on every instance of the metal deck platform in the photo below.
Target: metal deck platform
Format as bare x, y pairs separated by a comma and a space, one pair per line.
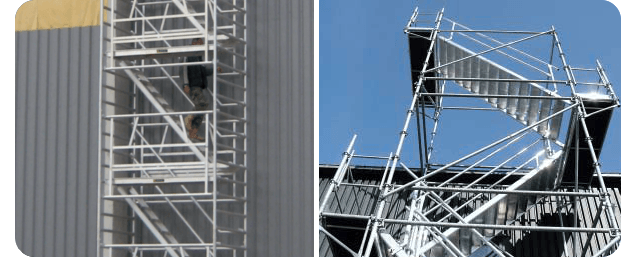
418, 39
597, 125
162, 52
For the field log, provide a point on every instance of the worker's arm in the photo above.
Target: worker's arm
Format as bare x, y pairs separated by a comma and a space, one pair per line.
210, 70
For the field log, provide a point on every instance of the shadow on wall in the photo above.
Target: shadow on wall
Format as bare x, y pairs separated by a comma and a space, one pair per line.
539, 243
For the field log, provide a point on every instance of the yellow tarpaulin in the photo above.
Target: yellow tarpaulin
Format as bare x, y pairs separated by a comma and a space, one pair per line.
55, 14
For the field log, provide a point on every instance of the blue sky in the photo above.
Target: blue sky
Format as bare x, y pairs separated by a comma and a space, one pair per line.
364, 71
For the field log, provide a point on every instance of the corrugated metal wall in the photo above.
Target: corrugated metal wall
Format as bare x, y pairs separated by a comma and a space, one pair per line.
357, 201
280, 139
518, 243
56, 141
56, 135
538, 243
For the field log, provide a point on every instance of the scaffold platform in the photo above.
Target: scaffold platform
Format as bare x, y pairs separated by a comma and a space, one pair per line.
597, 126
418, 39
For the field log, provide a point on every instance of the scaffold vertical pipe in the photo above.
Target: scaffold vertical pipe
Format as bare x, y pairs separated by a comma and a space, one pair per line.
605, 79
581, 115
575, 188
206, 34
403, 133
419, 132
99, 218
215, 121
244, 110
337, 178
416, 94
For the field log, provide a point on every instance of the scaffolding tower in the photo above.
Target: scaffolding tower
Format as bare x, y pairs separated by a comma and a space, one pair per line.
162, 193
563, 123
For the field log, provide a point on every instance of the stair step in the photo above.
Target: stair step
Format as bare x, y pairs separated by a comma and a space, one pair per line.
493, 87
523, 104
153, 217
154, 91
534, 107
475, 72
142, 209
512, 104
161, 105
525, 111
545, 109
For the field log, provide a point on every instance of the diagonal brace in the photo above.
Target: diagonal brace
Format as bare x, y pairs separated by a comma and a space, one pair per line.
337, 241
475, 231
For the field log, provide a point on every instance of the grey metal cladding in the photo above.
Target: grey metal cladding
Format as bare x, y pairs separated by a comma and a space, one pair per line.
56, 141
280, 110
543, 243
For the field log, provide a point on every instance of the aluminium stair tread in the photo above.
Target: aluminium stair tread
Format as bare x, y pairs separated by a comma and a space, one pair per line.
475, 72
467, 70
155, 219
154, 92
525, 111
150, 219
503, 89
147, 89
163, 104
534, 107
514, 89
493, 87
545, 108
523, 104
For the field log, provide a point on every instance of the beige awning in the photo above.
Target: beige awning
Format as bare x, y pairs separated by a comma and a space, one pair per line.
56, 14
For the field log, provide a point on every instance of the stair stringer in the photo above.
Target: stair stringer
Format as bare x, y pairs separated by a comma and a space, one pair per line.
152, 222
157, 101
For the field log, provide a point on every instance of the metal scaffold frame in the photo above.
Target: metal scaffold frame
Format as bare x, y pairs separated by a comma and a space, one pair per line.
436, 219
162, 193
